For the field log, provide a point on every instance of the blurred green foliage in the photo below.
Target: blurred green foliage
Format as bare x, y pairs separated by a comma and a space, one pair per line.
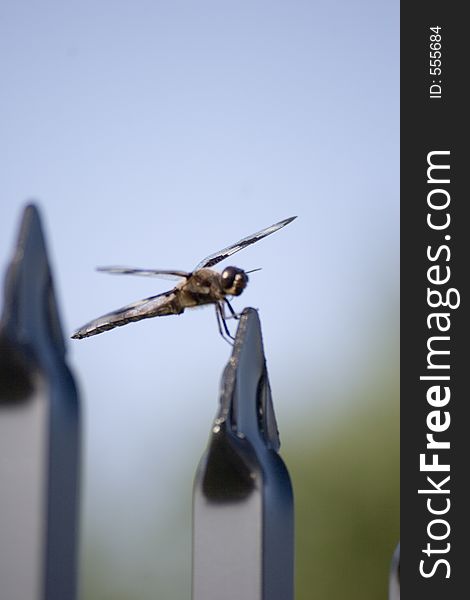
346, 486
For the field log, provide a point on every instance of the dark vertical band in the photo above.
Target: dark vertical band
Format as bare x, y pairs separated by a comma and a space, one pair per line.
434, 301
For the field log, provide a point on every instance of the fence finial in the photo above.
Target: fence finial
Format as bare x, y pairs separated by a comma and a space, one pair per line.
243, 542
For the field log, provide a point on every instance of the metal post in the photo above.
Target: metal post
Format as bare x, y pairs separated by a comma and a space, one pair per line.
243, 524
394, 581
39, 432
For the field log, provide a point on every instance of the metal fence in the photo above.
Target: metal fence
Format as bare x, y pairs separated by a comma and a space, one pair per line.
243, 518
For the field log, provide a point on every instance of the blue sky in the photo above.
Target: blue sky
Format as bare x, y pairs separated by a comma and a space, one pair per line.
154, 133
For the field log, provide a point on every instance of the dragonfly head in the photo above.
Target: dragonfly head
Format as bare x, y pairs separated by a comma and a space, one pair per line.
233, 281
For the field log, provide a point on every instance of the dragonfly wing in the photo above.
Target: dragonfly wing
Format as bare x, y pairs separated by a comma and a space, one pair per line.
215, 258
161, 273
155, 306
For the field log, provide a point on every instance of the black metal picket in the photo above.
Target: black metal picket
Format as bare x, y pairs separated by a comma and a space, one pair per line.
39, 432
394, 580
243, 523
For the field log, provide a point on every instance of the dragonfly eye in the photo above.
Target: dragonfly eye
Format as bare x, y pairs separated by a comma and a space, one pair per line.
234, 281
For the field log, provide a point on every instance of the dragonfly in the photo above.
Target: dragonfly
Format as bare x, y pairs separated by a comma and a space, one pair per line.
201, 286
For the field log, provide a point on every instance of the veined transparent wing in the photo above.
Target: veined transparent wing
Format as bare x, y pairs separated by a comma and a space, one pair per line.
160, 273
154, 306
215, 258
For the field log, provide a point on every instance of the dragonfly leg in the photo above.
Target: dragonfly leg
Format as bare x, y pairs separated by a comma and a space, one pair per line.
234, 315
225, 333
